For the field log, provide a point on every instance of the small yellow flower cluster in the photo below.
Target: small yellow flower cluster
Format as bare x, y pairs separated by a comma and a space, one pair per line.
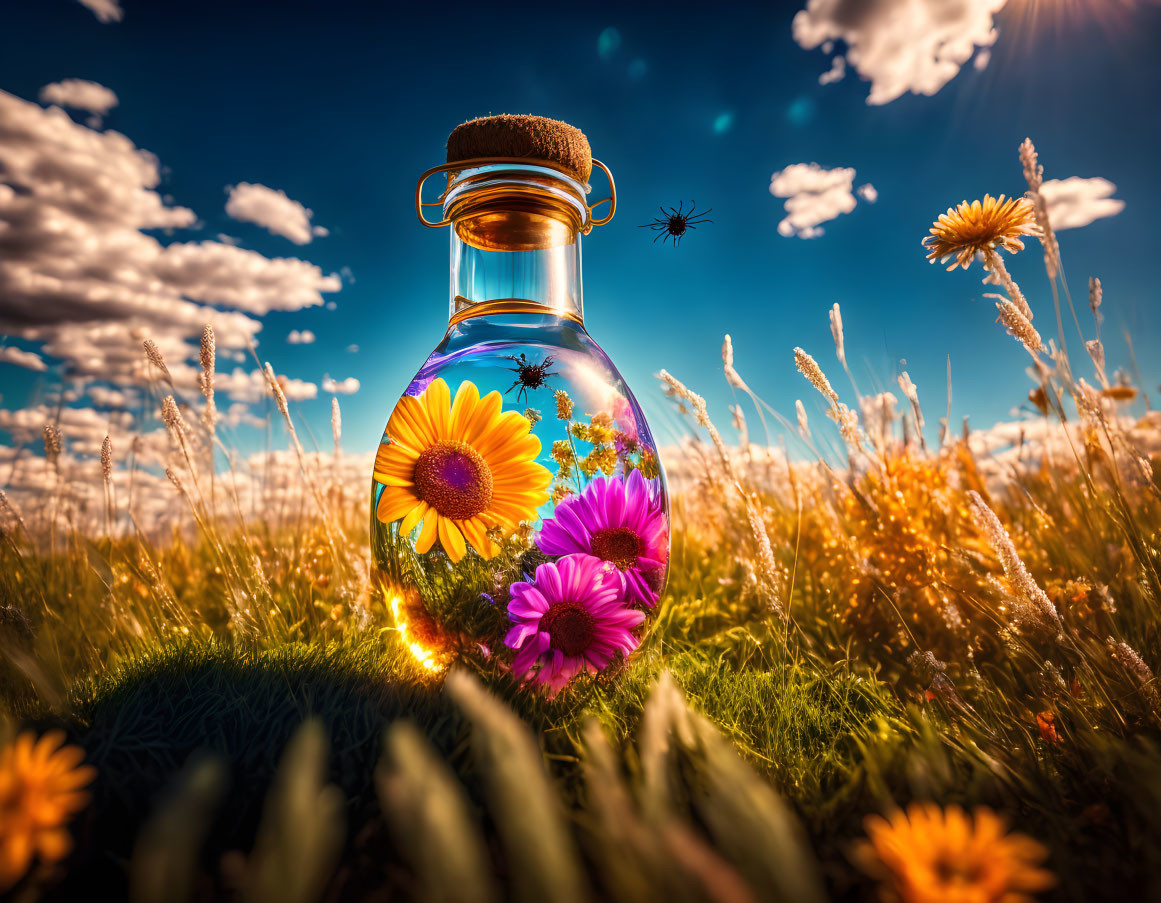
648, 465
610, 447
563, 405
602, 458
598, 431
562, 454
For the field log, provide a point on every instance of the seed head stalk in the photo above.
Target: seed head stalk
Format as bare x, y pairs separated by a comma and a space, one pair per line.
1032, 602
334, 531
840, 351
337, 435
734, 378
1020, 326
1034, 176
209, 355
7, 506
768, 566
175, 423
912, 394
53, 445
153, 356
848, 421
107, 476
994, 263
173, 420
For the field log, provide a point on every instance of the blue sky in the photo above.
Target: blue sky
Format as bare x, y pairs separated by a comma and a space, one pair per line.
342, 105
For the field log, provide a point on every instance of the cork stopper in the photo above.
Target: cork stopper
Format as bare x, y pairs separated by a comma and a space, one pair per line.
532, 137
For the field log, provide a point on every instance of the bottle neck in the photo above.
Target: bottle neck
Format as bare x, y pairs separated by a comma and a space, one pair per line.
546, 280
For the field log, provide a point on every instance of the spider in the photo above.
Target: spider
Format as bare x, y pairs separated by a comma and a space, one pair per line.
528, 376
674, 223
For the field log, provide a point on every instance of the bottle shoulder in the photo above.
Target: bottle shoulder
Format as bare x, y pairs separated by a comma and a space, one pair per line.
501, 330
526, 359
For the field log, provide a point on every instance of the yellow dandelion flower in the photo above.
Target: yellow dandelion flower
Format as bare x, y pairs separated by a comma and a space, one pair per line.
974, 228
41, 787
932, 855
458, 468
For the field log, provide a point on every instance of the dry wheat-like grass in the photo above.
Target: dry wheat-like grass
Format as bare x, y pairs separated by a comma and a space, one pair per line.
1034, 176
998, 588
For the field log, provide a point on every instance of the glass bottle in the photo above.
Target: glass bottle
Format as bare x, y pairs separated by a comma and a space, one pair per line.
519, 511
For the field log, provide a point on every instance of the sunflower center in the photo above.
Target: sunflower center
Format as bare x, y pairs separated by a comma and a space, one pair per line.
454, 479
620, 545
957, 872
570, 627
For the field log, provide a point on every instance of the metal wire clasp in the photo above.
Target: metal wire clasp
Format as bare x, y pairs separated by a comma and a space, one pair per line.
461, 165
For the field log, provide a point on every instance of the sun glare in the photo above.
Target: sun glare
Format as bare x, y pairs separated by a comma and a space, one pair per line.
1031, 17
424, 656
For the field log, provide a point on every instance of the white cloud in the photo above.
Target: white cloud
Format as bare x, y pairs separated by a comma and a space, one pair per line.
352, 349
250, 386
1025, 443
104, 397
30, 360
868, 193
1076, 202
82, 273
838, 68
900, 46
105, 10
348, 386
300, 337
813, 196
238, 414
269, 484
273, 211
82, 429
79, 94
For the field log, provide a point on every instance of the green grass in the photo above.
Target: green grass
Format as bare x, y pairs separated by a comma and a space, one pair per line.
144, 721
831, 737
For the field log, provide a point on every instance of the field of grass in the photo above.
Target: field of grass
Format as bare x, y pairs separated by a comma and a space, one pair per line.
898, 624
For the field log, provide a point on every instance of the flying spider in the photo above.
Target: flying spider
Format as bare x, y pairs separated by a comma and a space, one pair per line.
674, 223
528, 376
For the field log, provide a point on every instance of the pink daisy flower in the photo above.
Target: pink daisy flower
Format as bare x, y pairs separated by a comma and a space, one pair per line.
570, 619
618, 521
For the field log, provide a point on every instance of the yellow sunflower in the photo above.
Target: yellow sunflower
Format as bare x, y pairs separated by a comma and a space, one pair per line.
460, 468
975, 228
41, 787
933, 855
